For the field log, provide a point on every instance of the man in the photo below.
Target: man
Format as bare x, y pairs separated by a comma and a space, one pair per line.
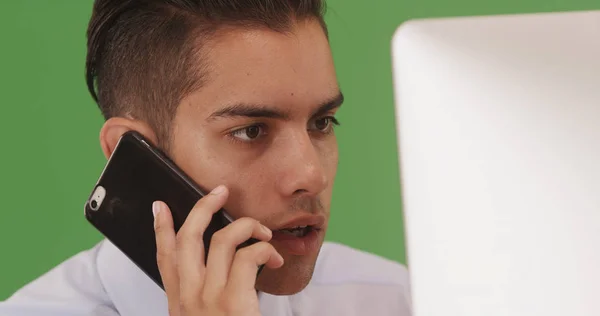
242, 95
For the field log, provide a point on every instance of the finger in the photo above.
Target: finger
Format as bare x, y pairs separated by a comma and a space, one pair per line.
190, 244
242, 277
166, 254
223, 247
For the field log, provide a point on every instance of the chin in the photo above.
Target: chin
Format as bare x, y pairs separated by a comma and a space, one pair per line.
281, 288
290, 279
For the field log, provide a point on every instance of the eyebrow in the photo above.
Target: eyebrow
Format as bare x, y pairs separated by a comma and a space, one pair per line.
265, 111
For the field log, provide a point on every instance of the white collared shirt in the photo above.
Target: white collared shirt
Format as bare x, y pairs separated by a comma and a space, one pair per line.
103, 282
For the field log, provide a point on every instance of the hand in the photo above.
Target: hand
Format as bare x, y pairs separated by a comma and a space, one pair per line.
225, 285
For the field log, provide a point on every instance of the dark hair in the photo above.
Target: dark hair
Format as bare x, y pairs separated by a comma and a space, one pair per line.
144, 56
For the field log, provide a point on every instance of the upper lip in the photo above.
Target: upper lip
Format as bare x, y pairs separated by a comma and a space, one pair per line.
314, 221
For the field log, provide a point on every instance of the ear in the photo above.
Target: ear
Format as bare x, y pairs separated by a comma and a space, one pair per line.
115, 127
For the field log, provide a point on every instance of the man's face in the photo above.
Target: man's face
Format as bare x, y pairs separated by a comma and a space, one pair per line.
261, 125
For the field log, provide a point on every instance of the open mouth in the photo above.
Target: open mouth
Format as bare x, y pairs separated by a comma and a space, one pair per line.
300, 236
299, 231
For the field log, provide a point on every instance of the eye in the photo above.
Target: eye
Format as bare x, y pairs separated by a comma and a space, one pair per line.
324, 124
248, 134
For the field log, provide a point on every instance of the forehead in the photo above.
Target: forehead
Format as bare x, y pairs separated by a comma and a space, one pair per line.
262, 66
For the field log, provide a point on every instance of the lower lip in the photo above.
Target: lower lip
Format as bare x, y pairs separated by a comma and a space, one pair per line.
298, 245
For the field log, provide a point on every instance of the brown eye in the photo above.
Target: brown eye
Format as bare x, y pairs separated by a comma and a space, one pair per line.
249, 133
252, 132
322, 124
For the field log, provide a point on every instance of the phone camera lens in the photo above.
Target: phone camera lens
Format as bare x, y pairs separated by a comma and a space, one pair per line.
94, 205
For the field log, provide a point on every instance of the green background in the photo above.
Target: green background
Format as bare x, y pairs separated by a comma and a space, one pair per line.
49, 126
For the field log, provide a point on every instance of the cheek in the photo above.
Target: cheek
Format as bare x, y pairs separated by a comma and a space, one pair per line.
330, 158
193, 152
247, 179
210, 169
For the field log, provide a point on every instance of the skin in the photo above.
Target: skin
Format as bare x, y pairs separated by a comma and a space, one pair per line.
272, 168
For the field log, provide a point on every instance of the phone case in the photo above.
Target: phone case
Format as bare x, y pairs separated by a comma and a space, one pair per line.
120, 205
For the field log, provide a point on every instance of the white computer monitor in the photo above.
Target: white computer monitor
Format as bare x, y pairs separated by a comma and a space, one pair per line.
498, 122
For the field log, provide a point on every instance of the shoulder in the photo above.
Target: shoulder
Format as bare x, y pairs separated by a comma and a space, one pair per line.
100, 281
348, 281
71, 288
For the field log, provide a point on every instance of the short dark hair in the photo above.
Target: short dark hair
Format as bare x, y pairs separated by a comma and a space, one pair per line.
145, 56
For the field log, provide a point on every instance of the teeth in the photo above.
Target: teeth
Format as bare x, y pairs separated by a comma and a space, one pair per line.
296, 228
299, 231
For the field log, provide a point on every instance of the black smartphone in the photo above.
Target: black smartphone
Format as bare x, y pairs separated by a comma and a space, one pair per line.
120, 205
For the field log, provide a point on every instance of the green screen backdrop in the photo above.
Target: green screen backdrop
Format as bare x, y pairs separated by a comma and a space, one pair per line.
49, 126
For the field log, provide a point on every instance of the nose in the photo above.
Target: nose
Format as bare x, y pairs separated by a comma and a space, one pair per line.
301, 168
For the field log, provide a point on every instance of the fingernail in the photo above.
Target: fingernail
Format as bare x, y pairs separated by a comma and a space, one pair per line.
218, 190
155, 210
